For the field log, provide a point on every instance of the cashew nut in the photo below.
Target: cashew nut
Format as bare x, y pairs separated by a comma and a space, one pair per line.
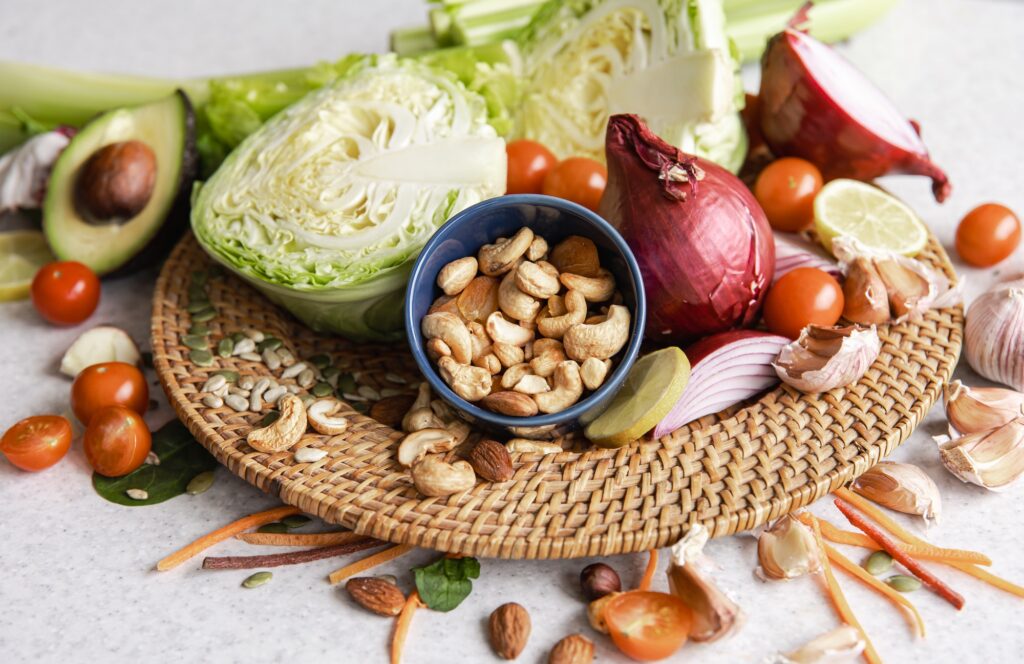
531, 384
500, 257
556, 305
527, 446
547, 353
450, 329
488, 361
514, 302
420, 443
513, 375
577, 255
459, 430
593, 372
595, 289
435, 477
480, 341
449, 305
285, 431
510, 403
540, 281
538, 249
456, 275
436, 349
419, 419
319, 415
602, 340
567, 391
470, 383
576, 311
506, 332
442, 410
507, 354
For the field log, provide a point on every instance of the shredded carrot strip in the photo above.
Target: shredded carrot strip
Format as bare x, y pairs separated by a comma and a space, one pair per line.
300, 539
922, 551
223, 533
369, 562
989, 578
652, 567
402, 626
835, 593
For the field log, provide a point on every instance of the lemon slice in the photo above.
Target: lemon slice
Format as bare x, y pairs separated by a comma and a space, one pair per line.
869, 215
653, 386
22, 253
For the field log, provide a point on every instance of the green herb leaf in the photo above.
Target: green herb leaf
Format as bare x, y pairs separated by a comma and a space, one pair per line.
443, 584
181, 459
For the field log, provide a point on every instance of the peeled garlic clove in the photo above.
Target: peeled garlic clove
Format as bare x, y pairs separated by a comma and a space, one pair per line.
787, 550
994, 334
991, 459
825, 358
902, 487
715, 615
977, 409
906, 288
866, 300
841, 645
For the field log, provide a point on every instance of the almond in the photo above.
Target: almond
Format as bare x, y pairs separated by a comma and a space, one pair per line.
491, 461
377, 595
573, 649
509, 630
389, 411
510, 403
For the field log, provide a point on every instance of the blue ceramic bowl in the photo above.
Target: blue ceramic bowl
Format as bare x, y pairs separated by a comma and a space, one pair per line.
554, 219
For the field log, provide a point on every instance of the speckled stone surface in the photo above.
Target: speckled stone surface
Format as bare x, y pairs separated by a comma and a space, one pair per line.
78, 583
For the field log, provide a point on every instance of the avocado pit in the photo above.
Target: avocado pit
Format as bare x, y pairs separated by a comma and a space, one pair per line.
116, 182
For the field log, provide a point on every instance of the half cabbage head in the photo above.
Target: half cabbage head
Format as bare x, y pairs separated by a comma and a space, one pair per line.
325, 207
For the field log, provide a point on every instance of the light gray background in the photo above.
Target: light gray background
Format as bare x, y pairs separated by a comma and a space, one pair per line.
77, 583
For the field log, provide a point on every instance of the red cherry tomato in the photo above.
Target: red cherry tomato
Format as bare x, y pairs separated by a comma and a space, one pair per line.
528, 163
108, 384
805, 296
116, 441
646, 625
65, 292
578, 179
37, 442
786, 189
987, 235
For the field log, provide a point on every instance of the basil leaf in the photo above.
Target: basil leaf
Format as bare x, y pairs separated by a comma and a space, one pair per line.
443, 584
181, 459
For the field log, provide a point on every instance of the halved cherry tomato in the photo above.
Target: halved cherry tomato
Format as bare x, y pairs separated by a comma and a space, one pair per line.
528, 163
987, 235
805, 296
108, 384
786, 189
116, 441
578, 179
647, 625
37, 442
65, 292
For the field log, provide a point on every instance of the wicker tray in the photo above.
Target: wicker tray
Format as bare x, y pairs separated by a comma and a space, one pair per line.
731, 471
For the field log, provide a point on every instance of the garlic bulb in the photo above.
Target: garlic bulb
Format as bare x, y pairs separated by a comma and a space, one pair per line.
902, 487
976, 409
994, 335
841, 645
824, 358
991, 459
787, 550
715, 615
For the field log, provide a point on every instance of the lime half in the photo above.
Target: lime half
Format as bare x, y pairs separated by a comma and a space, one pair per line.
22, 253
866, 213
653, 386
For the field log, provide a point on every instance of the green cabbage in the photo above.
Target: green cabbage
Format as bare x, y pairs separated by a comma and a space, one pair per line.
325, 206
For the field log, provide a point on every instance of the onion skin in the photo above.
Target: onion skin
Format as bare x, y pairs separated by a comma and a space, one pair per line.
703, 243
801, 118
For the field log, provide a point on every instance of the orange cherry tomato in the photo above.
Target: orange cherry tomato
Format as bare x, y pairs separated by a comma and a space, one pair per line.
116, 441
108, 384
37, 442
805, 296
646, 625
578, 179
987, 235
786, 189
528, 163
65, 292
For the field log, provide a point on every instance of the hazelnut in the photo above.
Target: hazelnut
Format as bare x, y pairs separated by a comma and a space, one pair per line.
598, 580
116, 182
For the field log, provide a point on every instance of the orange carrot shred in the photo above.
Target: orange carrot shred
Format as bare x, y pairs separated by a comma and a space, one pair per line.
922, 551
402, 626
300, 539
223, 533
652, 567
989, 578
369, 562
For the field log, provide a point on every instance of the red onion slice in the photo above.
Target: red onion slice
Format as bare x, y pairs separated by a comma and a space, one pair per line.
793, 250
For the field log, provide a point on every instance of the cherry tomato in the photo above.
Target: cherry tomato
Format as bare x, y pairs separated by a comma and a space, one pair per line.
786, 189
578, 179
116, 441
805, 296
528, 163
647, 626
65, 292
108, 384
987, 234
37, 442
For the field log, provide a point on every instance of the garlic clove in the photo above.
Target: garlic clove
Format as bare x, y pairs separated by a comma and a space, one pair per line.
825, 358
715, 615
787, 550
902, 487
994, 333
991, 459
866, 299
976, 409
841, 645
906, 288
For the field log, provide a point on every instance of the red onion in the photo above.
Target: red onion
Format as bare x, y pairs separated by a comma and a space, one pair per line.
793, 250
726, 368
814, 104
703, 244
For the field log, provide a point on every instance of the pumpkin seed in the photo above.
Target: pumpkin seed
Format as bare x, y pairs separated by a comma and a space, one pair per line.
200, 483
213, 401
320, 361
199, 277
236, 402
256, 580
322, 390
226, 347
347, 383
309, 455
206, 314
395, 378
307, 399
255, 335
296, 520
276, 527
197, 293
229, 375
244, 345
197, 305
202, 358
195, 342
878, 563
199, 328
270, 418
271, 343
903, 583
137, 494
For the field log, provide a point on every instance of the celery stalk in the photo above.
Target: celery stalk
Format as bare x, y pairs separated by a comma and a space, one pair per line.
412, 41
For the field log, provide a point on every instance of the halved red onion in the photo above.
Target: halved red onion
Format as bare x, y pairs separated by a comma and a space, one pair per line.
793, 250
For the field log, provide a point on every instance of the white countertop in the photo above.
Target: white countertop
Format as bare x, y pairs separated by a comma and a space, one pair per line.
78, 583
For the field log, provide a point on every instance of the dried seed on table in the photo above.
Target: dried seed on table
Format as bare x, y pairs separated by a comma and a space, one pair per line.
307, 399
389, 392
137, 494
229, 375
354, 398
213, 401
322, 390
306, 379
250, 357
237, 402
903, 583
255, 335
199, 328
235, 389
204, 315
214, 383
287, 359
256, 395
202, 358
368, 392
195, 342
196, 305
395, 378
271, 359
256, 580
270, 418
878, 562
246, 382
226, 347
296, 520
331, 375
245, 346
320, 361
237, 336
309, 455
294, 370
277, 528
294, 389
274, 394
269, 343
347, 383
197, 294
200, 483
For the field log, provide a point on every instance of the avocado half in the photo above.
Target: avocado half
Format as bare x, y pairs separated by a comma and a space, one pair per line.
121, 243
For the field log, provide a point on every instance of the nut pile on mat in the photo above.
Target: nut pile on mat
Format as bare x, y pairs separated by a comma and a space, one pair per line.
522, 330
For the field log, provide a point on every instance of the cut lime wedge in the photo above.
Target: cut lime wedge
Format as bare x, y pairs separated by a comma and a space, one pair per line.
22, 253
866, 213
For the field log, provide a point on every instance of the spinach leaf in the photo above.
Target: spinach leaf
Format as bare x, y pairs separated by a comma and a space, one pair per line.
181, 459
446, 582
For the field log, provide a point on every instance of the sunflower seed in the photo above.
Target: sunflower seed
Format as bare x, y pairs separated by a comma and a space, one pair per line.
878, 562
256, 580
152, 459
277, 527
309, 455
246, 345
246, 382
294, 389
271, 359
214, 383
226, 347
213, 401
395, 378
223, 392
137, 494
273, 395
322, 390
256, 396
293, 370
234, 389
229, 375
250, 357
347, 383
287, 359
903, 583
269, 343
306, 379
195, 342
200, 483
255, 335
388, 392
295, 521
348, 396
320, 361
368, 392
202, 358
236, 402
206, 314
199, 328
